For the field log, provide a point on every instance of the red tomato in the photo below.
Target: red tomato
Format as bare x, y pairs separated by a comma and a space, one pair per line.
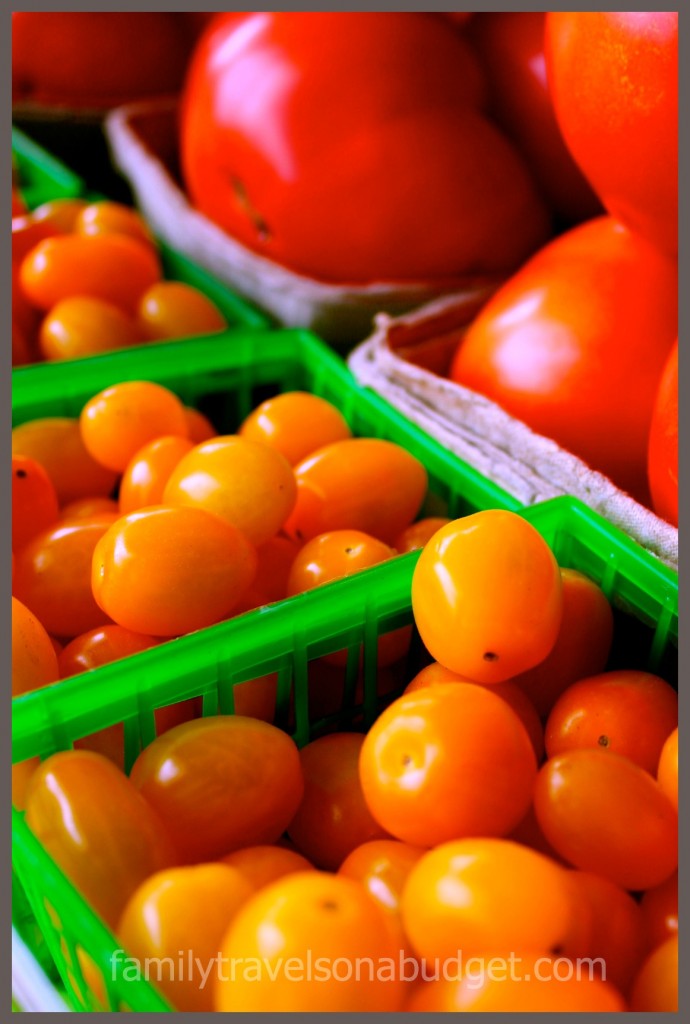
511, 47
613, 77
333, 818
575, 344
663, 443
367, 182
96, 60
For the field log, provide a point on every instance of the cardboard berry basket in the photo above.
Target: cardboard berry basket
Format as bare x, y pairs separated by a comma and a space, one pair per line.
406, 360
286, 638
41, 178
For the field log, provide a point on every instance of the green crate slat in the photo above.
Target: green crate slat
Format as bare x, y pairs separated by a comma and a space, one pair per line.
285, 636
41, 176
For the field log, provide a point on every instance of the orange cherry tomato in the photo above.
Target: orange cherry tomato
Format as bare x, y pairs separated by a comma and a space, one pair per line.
117, 422
462, 895
333, 818
659, 907
296, 424
667, 769
248, 772
172, 309
449, 761
249, 485
362, 484
85, 508
199, 426
537, 984
23, 313
146, 475
167, 571
508, 691
418, 534
106, 847
53, 576
27, 233
331, 556
311, 917
256, 698
585, 801
327, 683
262, 865
275, 559
83, 326
60, 213
114, 268
108, 218
34, 501
656, 986
383, 866
616, 935
340, 553
582, 646
184, 913
34, 662
630, 713
486, 596
56, 443
34, 665
100, 647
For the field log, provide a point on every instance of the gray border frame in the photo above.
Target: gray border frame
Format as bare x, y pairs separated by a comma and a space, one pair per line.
5, 428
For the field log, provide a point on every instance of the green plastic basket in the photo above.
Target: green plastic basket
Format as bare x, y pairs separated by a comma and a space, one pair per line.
44, 178
283, 638
227, 380
41, 176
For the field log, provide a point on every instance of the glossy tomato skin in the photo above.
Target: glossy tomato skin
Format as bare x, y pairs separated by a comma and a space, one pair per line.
486, 596
106, 847
96, 60
585, 801
510, 45
167, 571
575, 343
613, 78
372, 185
663, 443
221, 783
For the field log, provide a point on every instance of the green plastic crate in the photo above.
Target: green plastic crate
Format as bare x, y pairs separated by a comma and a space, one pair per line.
282, 638
41, 176
228, 381
44, 178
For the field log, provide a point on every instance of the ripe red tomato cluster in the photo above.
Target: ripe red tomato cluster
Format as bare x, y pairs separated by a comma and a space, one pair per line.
536, 762
87, 278
581, 342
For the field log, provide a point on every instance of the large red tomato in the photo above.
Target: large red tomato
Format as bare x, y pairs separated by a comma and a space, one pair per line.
614, 81
663, 443
352, 147
575, 344
511, 47
96, 60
